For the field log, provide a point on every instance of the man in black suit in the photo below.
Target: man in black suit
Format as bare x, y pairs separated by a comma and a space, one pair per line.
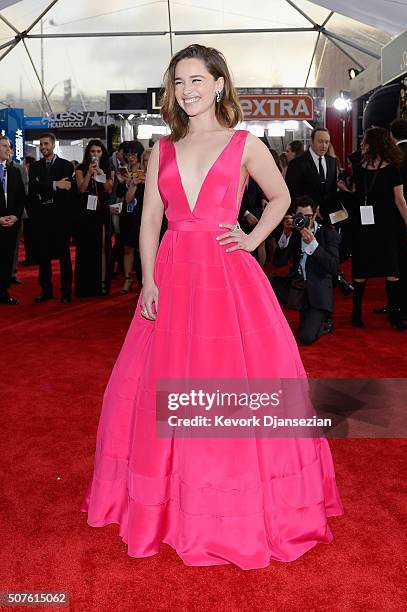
315, 174
314, 251
51, 211
12, 200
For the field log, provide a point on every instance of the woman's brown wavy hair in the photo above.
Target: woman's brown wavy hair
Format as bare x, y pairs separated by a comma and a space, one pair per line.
228, 111
382, 146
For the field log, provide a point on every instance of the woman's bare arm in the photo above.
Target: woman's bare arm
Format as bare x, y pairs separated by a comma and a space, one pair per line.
108, 185
151, 219
262, 168
82, 180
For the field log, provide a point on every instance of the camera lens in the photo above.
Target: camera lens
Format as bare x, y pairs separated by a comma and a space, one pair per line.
300, 221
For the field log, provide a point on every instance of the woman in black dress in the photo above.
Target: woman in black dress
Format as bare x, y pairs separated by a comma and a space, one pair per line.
379, 221
93, 240
132, 179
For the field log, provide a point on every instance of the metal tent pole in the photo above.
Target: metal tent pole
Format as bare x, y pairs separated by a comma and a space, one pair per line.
312, 58
170, 26
38, 76
353, 59
350, 43
297, 8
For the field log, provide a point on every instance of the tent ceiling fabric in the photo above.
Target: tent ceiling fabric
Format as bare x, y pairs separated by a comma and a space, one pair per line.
5, 3
387, 15
109, 48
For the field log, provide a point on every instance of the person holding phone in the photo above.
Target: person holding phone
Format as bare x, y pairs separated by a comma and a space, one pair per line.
132, 177
93, 241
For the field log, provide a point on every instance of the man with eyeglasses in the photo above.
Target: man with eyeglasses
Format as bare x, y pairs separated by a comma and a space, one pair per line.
314, 251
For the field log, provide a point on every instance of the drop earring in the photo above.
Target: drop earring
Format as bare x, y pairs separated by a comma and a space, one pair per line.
218, 96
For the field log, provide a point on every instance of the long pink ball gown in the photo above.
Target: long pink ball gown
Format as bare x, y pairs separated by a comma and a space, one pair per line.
242, 501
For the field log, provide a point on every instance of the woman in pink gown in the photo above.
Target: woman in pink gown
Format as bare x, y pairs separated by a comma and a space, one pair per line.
206, 310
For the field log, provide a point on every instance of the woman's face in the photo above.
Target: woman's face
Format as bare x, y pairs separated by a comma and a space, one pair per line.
283, 160
195, 87
289, 154
95, 151
132, 158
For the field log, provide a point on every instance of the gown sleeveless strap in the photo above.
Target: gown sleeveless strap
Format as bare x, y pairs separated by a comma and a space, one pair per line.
221, 184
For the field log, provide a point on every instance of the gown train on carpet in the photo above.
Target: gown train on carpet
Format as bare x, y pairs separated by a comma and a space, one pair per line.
243, 501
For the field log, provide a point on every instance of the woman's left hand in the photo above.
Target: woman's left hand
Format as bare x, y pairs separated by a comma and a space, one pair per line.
236, 235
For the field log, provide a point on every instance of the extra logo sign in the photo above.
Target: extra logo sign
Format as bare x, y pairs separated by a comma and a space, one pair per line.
277, 107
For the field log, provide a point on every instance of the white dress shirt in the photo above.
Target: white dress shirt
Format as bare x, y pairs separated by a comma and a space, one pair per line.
315, 157
306, 249
4, 164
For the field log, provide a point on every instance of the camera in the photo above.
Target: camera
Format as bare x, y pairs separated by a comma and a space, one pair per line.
300, 221
95, 160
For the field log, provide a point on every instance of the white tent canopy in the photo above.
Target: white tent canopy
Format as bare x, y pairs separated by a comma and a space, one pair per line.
59, 54
389, 16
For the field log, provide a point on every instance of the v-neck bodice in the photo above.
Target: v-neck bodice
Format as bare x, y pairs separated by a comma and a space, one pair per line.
216, 160
217, 200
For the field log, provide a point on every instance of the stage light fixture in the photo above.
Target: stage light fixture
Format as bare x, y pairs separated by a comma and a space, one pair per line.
353, 73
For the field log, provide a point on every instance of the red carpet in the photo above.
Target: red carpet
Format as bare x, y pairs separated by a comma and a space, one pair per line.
56, 362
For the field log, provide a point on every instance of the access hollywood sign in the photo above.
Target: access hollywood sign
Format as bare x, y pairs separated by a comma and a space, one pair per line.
80, 119
277, 107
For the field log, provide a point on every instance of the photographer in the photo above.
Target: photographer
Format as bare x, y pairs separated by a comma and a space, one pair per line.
314, 250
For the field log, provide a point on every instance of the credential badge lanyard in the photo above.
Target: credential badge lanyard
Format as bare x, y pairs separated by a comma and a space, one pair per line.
93, 199
366, 210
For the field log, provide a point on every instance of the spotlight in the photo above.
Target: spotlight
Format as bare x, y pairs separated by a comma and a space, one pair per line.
340, 103
353, 73
343, 103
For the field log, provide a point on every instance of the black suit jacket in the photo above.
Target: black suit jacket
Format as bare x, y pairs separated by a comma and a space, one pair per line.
251, 200
15, 194
319, 267
41, 190
302, 179
403, 167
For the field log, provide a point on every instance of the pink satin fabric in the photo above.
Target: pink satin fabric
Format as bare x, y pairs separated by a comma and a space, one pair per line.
242, 501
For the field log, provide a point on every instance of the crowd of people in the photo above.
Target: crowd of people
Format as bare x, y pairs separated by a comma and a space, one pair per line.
336, 213
94, 206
